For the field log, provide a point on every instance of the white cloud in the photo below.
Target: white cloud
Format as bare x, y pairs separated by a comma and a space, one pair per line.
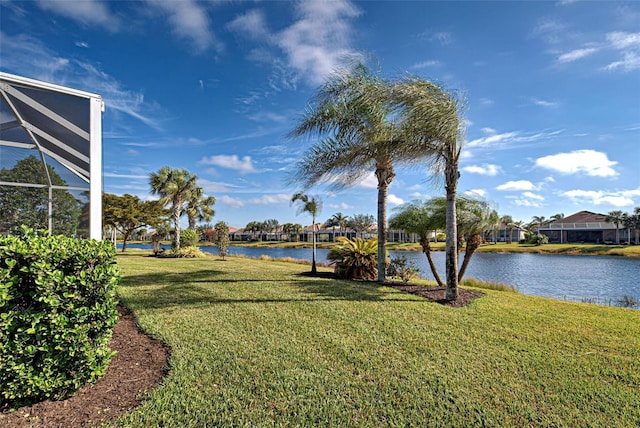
492, 139
488, 130
599, 197
275, 199
630, 61
531, 195
318, 41
622, 40
314, 45
518, 185
243, 166
340, 206
369, 182
589, 162
87, 12
476, 193
576, 54
190, 21
544, 103
426, 64
529, 203
393, 199
485, 169
230, 201
210, 187
252, 24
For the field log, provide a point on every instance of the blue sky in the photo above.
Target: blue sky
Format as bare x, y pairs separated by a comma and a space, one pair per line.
552, 92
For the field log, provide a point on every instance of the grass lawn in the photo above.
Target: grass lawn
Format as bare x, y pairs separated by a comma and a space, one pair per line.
255, 343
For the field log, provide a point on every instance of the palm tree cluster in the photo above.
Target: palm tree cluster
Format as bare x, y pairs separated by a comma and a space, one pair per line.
178, 188
368, 124
629, 220
473, 219
260, 228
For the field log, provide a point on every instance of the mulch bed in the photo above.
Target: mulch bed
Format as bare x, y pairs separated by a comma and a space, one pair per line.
139, 367
437, 294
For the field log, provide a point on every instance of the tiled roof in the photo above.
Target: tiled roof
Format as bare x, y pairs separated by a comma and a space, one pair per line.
584, 217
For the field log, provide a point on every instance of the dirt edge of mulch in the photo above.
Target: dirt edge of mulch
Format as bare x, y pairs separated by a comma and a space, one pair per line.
139, 366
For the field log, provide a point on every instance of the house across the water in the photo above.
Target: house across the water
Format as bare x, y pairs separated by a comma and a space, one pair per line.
584, 227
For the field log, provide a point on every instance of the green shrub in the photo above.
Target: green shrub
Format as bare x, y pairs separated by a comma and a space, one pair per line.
402, 268
355, 259
188, 238
183, 253
57, 310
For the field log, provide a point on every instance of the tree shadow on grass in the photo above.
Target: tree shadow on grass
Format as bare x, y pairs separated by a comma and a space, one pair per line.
202, 287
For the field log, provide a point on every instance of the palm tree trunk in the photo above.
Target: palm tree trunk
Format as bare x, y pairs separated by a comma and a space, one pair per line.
176, 221
472, 245
451, 177
426, 249
385, 175
313, 257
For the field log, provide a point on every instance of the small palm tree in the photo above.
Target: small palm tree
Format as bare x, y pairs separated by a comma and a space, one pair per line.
507, 220
355, 258
616, 217
313, 206
175, 187
475, 217
420, 218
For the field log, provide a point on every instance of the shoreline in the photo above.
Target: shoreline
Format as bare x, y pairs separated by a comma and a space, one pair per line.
564, 249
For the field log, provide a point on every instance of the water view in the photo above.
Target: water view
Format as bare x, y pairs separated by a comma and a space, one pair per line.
598, 279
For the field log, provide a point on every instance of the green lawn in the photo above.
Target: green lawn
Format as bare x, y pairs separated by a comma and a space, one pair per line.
255, 343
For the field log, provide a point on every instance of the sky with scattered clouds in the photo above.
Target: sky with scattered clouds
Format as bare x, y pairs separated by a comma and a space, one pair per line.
552, 92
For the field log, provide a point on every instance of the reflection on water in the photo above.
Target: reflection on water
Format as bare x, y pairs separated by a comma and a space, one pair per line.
600, 279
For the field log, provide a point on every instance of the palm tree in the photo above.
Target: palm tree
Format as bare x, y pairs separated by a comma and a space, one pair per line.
557, 217
313, 206
420, 218
353, 114
433, 129
616, 217
475, 217
633, 222
199, 207
174, 186
358, 137
341, 220
507, 220
537, 221
331, 223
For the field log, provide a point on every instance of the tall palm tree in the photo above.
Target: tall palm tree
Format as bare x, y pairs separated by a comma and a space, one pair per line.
311, 205
433, 130
353, 114
199, 207
174, 186
357, 138
616, 217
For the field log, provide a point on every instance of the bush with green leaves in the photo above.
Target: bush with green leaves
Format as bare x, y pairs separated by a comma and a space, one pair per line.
355, 258
57, 312
188, 238
402, 268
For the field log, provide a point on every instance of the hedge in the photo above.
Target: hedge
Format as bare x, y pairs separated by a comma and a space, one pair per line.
57, 311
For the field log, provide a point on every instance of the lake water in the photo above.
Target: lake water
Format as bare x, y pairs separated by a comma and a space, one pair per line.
600, 279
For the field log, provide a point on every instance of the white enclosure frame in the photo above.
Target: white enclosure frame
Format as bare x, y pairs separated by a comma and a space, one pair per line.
11, 88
